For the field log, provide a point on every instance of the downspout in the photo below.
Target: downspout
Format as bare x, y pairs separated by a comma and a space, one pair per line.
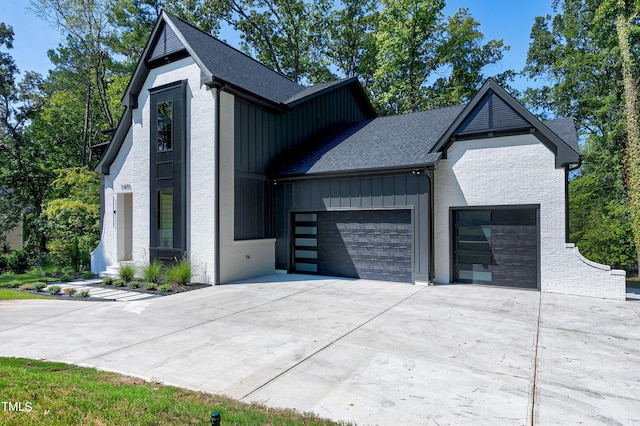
216, 279
432, 258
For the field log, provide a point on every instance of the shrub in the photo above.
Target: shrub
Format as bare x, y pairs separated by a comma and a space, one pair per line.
118, 283
54, 289
88, 275
134, 284
18, 261
127, 271
69, 291
165, 288
179, 273
150, 286
4, 263
107, 280
65, 278
12, 284
152, 272
25, 287
83, 293
38, 286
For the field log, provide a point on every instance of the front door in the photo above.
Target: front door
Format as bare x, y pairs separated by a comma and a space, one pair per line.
167, 148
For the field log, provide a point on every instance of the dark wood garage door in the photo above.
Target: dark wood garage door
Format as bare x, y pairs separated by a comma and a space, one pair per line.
371, 244
496, 246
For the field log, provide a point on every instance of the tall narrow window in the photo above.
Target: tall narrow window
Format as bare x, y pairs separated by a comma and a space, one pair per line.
165, 218
165, 126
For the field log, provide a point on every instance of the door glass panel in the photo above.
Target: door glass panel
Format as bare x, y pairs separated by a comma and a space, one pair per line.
306, 230
165, 218
474, 258
474, 231
476, 276
474, 216
306, 217
474, 245
306, 242
165, 126
306, 254
307, 267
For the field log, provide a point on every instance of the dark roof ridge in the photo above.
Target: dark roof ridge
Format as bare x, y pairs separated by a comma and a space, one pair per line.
231, 47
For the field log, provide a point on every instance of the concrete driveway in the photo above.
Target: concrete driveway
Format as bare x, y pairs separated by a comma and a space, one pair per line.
371, 352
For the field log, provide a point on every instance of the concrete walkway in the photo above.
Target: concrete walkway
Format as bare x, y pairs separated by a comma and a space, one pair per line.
371, 352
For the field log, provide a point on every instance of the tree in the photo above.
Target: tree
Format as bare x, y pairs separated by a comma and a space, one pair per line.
286, 35
575, 55
24, 161
73, 216
426, 60
352, 43
627, 15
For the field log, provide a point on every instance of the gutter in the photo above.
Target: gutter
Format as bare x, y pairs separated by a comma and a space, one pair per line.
376, 171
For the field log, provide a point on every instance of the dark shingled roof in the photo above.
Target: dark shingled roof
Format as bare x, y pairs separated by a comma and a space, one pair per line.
236, 68
383, 142
565, 129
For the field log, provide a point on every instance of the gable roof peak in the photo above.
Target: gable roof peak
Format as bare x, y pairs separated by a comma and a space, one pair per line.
477, 119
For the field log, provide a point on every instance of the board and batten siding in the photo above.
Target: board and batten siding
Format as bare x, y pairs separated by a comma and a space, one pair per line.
262, 136
357, 193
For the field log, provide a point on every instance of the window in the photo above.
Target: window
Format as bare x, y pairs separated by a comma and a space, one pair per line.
165, 218
165, 126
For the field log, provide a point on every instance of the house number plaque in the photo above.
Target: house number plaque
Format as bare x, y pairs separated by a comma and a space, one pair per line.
125, 187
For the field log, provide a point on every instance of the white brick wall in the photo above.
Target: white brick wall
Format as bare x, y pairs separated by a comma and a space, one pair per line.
517, 170
131, 167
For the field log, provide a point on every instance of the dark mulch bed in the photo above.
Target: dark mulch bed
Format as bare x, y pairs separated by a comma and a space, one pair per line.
176, 288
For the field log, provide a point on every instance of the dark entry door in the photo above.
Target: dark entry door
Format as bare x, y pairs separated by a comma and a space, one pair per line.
167, 148
496, 246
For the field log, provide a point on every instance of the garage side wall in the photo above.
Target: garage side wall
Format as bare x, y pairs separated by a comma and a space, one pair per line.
517, 170
358, 193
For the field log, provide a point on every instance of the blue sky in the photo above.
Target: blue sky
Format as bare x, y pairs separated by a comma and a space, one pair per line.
506, 19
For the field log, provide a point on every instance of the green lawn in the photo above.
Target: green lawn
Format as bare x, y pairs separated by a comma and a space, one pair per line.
61, 394
19, 295
23, 278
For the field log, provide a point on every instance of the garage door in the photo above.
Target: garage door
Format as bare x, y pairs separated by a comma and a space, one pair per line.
496, 246
372, 244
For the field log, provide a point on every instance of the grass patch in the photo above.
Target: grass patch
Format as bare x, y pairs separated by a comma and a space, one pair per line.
62, 394
18, 295
23, 278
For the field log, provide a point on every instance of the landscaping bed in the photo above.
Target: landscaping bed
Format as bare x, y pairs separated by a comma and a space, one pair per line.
176, 288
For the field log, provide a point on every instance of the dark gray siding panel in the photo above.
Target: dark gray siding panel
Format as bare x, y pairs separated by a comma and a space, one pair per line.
362, 193
166, 44
264, 135
492, 114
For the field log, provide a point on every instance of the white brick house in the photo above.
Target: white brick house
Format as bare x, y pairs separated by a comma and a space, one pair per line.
223, 161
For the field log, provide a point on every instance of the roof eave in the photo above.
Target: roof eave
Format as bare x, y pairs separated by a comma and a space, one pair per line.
416, 168
349, 81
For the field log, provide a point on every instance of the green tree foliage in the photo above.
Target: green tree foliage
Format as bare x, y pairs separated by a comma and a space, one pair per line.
627, 14
287, 35
351, 45
575, 57
73, 216
426, 60
25, 167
